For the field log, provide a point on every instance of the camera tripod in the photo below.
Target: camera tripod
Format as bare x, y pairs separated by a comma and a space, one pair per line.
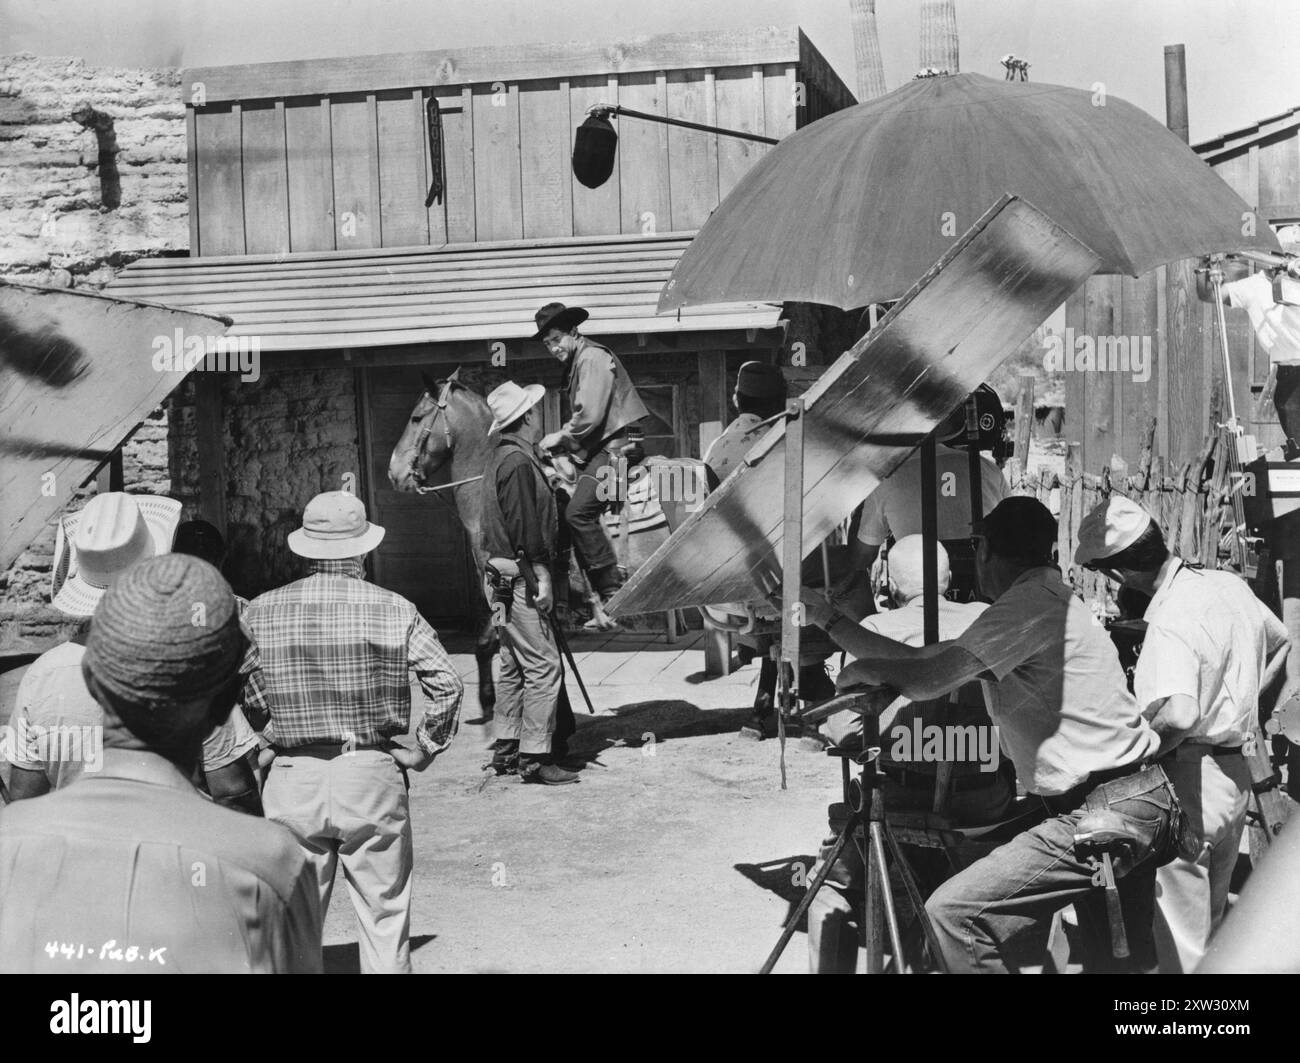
868, 829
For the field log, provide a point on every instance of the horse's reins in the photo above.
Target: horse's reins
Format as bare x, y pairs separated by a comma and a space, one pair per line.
440, 406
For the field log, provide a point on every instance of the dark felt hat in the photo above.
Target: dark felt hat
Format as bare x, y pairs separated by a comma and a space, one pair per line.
557, 315
759, 380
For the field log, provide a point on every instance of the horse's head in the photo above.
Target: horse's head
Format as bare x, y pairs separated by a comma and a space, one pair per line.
449, 418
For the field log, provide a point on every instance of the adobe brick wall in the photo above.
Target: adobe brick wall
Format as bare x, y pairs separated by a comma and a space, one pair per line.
56, 230
287, 436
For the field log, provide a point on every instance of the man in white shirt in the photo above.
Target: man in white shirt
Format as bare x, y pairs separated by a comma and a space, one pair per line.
1072, 730
1277, 328
1210, 648
894, 508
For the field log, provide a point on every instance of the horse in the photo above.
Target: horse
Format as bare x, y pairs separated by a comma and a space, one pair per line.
449, 429
449, 426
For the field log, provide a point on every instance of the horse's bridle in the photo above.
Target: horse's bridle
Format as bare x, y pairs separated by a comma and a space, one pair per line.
426, 429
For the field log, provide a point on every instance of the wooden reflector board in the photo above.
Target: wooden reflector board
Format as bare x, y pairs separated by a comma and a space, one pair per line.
78, 373
871, 409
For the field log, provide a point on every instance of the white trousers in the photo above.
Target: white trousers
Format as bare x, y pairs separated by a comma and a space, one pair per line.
353, 810
1192, 895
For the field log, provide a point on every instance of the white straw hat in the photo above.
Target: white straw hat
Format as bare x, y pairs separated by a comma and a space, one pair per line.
509, 402
110, 534
334, 526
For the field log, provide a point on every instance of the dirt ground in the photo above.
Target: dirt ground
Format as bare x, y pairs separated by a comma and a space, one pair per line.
675, 852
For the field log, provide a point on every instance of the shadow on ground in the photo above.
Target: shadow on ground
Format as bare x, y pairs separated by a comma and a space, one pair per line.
788, 878
644, 722
346, 959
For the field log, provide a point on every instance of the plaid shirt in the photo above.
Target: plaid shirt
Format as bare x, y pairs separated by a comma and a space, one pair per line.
335, 652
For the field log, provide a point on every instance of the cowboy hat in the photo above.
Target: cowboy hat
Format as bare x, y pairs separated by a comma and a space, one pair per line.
557, 315
509, 402
108, 536
334, 526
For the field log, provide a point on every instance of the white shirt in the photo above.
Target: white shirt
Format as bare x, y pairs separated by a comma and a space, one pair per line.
1276, 325
1058, 695
728, 451
907, 625
1210, 638
894, 508
57, 726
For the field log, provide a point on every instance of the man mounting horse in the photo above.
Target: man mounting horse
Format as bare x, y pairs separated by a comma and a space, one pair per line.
603, 405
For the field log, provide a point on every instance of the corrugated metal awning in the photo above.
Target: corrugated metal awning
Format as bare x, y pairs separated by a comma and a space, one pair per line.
481, 291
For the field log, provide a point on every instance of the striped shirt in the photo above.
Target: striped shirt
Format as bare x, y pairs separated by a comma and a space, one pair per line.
335, 652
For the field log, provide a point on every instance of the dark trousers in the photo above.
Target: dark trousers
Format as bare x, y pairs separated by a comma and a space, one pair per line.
582, 515
1286, 399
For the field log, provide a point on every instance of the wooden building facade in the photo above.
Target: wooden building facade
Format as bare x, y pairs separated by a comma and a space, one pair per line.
308, 224
1109, 413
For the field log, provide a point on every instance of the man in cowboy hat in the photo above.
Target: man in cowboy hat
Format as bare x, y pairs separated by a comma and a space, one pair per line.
519, 528
92, 549
129, 870
336, 652
603, 404
1210, 649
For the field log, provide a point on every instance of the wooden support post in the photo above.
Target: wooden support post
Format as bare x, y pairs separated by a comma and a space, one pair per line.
713, 395
930, 539
792, 556
1024, 424
1071, 515
210, 444
110, 476
792, 544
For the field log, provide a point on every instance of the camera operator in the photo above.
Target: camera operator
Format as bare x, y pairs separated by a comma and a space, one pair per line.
980, 793
1073, 732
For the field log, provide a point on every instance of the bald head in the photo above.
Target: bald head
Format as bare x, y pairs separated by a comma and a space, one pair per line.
906, 570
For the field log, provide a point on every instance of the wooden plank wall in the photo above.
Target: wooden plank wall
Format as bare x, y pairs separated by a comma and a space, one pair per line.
1108, 413
313, 173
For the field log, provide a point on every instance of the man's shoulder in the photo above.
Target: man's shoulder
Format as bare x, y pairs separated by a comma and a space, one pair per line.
203, 828
1197, 595
64, 655
595, 353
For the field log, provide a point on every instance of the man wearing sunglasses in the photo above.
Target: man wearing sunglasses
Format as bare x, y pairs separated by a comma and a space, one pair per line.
1209, 650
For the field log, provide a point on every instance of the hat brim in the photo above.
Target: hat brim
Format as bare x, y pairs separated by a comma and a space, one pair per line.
335, 549
71, 594
569, 317
533, 394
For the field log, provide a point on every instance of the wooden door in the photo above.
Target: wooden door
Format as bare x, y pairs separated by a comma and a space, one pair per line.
425, 553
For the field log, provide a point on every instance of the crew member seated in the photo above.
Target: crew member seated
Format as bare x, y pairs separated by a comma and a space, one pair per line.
1076, 737
982, 786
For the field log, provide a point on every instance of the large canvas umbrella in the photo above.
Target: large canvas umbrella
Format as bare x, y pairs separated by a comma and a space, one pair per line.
853, 208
